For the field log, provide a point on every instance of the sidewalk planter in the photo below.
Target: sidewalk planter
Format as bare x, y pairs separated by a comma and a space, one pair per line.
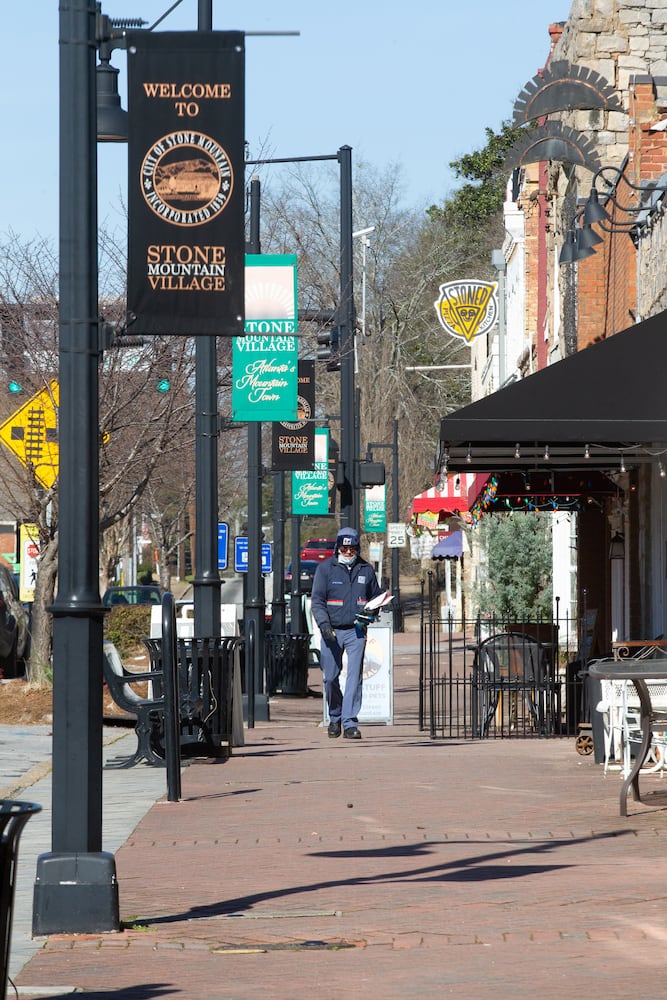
287, 659
13, 817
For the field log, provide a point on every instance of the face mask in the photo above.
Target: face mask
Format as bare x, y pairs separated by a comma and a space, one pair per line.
346, 560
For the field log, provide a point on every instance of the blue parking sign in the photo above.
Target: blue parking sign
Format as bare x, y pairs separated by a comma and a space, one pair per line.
223, 533
241, 555
266, 557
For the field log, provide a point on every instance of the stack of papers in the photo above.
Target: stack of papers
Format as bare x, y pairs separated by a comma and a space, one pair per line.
379, 602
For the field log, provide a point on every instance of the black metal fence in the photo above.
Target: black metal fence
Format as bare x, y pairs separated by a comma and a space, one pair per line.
490, 678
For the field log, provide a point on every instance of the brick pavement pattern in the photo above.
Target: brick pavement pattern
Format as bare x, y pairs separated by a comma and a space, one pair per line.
397, 867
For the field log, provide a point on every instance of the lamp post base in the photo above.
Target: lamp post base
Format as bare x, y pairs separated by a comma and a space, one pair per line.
75, 894
262, 713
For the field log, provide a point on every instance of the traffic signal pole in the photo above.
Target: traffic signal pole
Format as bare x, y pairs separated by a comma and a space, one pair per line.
349, 493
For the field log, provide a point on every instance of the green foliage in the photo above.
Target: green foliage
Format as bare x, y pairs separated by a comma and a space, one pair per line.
484, 169
127, 625
144, 574
519, 554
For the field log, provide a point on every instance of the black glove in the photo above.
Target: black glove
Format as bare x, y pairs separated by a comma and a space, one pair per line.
327, 633
365, 618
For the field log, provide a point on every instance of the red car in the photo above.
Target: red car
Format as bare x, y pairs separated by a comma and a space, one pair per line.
318, 548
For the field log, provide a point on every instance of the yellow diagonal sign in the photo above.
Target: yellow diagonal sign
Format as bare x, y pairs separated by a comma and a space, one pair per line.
32, 434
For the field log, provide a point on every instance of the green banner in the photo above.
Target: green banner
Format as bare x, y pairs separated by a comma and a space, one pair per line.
310, 489
375, 509
265, 361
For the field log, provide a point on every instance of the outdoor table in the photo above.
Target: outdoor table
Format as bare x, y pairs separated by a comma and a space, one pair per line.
637, 647
638, 672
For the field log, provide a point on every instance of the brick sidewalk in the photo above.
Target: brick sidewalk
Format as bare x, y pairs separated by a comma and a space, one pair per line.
399, 867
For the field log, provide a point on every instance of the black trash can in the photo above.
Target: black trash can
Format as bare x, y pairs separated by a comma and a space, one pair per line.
287, 661
593, 687
13, 817
576, 700
206, 686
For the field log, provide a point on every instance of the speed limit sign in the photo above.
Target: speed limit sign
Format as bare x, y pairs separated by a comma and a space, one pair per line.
396, 535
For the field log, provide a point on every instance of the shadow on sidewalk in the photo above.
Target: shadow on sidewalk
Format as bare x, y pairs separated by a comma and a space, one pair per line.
481, 868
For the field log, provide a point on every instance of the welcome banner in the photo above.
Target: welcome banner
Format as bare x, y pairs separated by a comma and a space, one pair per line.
293, 441
310, 489
375, 509
186, 239
265, 361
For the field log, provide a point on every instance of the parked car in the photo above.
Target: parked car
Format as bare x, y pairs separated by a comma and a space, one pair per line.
306, 574
13, 626
318, 548
148, 594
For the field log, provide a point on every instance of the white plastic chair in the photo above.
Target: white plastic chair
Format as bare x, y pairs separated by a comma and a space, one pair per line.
612, 705
656, 759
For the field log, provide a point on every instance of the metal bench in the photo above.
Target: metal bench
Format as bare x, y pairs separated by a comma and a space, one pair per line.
148, 710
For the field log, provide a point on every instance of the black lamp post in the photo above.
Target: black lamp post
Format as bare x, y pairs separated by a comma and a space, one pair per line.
207, 583
254, 605
76, 888
395, 506
349, 502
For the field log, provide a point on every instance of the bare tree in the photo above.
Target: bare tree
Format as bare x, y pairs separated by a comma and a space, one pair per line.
407, 257
140, 427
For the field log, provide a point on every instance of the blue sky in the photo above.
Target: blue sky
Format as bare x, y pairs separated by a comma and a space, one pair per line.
406, 85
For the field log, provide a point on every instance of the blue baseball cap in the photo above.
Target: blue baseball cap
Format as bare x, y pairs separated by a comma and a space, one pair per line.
347, 536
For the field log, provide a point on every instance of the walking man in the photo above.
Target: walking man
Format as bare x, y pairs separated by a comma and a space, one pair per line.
341, 587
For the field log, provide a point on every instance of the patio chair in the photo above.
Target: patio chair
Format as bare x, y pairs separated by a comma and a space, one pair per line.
620, 708
512, 669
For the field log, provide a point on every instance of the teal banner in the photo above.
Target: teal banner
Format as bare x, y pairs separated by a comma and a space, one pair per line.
375, 509
265, 361
310, 489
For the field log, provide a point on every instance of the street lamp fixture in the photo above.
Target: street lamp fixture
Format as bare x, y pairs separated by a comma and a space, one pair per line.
580, 241
110, 35
617, 547
648, 196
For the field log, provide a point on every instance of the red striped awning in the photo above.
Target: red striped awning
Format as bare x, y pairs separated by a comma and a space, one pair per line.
451, 499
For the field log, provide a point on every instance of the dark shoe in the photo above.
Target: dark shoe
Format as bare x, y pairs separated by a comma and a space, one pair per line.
352, 733
334, 730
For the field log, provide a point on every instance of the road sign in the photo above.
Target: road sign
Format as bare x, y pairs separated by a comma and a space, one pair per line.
241, 555
396, 535
28, 561
32, 434
223, 533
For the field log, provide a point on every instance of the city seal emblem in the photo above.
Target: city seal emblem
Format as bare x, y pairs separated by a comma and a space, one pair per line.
186, 178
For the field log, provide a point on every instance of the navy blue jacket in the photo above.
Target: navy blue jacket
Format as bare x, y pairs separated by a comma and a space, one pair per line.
340, 591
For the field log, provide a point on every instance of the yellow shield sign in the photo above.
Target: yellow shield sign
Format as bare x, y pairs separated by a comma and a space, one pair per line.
467, 309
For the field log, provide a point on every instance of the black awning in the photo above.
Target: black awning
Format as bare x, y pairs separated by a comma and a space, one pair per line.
606, 401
